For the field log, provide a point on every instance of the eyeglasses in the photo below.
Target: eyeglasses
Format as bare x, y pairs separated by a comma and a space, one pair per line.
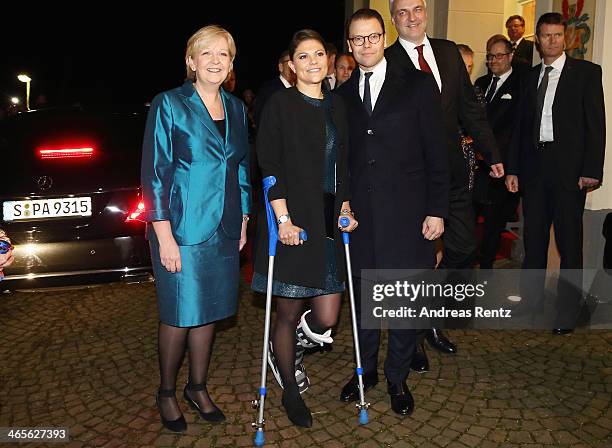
360, 40
497, 56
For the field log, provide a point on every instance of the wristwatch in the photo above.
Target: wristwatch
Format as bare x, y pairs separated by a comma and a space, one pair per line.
282, 218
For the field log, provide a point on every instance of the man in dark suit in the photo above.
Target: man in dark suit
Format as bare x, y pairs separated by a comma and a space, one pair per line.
399, 183
557, 154
398, 167
285, 79
522, 48
415, 51
501, 90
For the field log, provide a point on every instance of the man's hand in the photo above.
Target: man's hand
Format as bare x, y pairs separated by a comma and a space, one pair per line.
433, 228
512, 183
587, 182
497, 170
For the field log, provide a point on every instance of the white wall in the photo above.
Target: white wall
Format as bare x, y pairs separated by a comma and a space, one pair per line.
472, 22
602, 197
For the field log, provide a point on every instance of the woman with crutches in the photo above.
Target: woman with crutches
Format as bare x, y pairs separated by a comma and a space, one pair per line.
303, 142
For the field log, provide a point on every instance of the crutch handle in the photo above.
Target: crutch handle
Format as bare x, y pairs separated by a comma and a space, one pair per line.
344, 222
268, 183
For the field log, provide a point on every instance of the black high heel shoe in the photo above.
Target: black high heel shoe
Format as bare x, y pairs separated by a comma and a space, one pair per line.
215, 416
178, 425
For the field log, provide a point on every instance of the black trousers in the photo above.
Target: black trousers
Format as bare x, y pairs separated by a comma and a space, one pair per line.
401, 346
546, 202
500, 205
459, 231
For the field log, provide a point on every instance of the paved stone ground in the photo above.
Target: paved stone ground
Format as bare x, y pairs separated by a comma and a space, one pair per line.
86, 359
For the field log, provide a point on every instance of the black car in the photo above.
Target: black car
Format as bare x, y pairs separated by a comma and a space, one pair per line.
71, 198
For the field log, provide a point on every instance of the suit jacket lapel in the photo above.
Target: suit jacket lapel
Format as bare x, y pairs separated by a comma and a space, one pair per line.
385, 95
503, 89
442, 61
565, 80
226, 105
193, 101
353, 85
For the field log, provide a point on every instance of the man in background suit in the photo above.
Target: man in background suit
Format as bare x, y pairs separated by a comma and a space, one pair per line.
501, 91
398, 167
285, 79
414, 50
557, 154
523, 48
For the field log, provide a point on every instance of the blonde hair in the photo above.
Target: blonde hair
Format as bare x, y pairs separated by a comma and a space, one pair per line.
203, 37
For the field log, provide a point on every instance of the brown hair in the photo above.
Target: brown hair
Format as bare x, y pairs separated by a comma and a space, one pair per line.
550, 18
365, 14
304, 35
513, 18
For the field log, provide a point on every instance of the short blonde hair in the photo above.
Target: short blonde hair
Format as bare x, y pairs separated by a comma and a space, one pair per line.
203, 37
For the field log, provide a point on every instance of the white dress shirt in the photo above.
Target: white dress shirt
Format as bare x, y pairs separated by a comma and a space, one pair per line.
428, 54
376, 80
286, 83
331, 78
546, 125
516, 44
500, 82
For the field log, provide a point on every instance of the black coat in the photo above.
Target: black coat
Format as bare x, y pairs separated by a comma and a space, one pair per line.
398, 167
579, 125
459, 106
290, 146
523, 55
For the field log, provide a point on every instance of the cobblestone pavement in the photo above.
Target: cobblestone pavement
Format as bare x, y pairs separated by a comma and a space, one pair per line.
86, 359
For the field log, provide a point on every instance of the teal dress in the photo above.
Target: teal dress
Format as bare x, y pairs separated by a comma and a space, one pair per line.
332, 285
195, 175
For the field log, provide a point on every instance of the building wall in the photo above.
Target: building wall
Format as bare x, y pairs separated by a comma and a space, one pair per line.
472, 22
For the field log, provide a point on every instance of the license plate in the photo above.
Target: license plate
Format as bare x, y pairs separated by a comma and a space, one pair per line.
46, 208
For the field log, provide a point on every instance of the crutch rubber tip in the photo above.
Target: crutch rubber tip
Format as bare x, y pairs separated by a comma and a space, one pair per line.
259, 437
363, 417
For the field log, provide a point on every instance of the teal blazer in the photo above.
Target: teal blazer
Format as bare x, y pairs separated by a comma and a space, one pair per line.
191, 174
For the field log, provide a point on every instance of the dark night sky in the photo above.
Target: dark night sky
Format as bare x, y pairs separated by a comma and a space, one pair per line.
103, 54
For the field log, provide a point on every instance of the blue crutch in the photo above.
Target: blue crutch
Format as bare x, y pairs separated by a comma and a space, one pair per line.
362, 405
268, 183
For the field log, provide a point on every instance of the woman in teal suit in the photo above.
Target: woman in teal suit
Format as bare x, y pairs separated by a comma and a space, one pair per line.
197, 198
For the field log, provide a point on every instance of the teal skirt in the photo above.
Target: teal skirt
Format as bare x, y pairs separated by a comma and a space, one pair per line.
206, 289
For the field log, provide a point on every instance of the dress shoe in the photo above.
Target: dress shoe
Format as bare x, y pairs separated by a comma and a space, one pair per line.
402, 402
178, 425
562, 331
350, 392
215, 416
419, 362
439, 341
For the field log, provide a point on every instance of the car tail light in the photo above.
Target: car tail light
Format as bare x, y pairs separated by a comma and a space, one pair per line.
66, 153
136, 214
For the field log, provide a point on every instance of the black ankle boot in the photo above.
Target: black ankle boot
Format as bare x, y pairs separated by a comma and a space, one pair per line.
178, 425
296, 409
